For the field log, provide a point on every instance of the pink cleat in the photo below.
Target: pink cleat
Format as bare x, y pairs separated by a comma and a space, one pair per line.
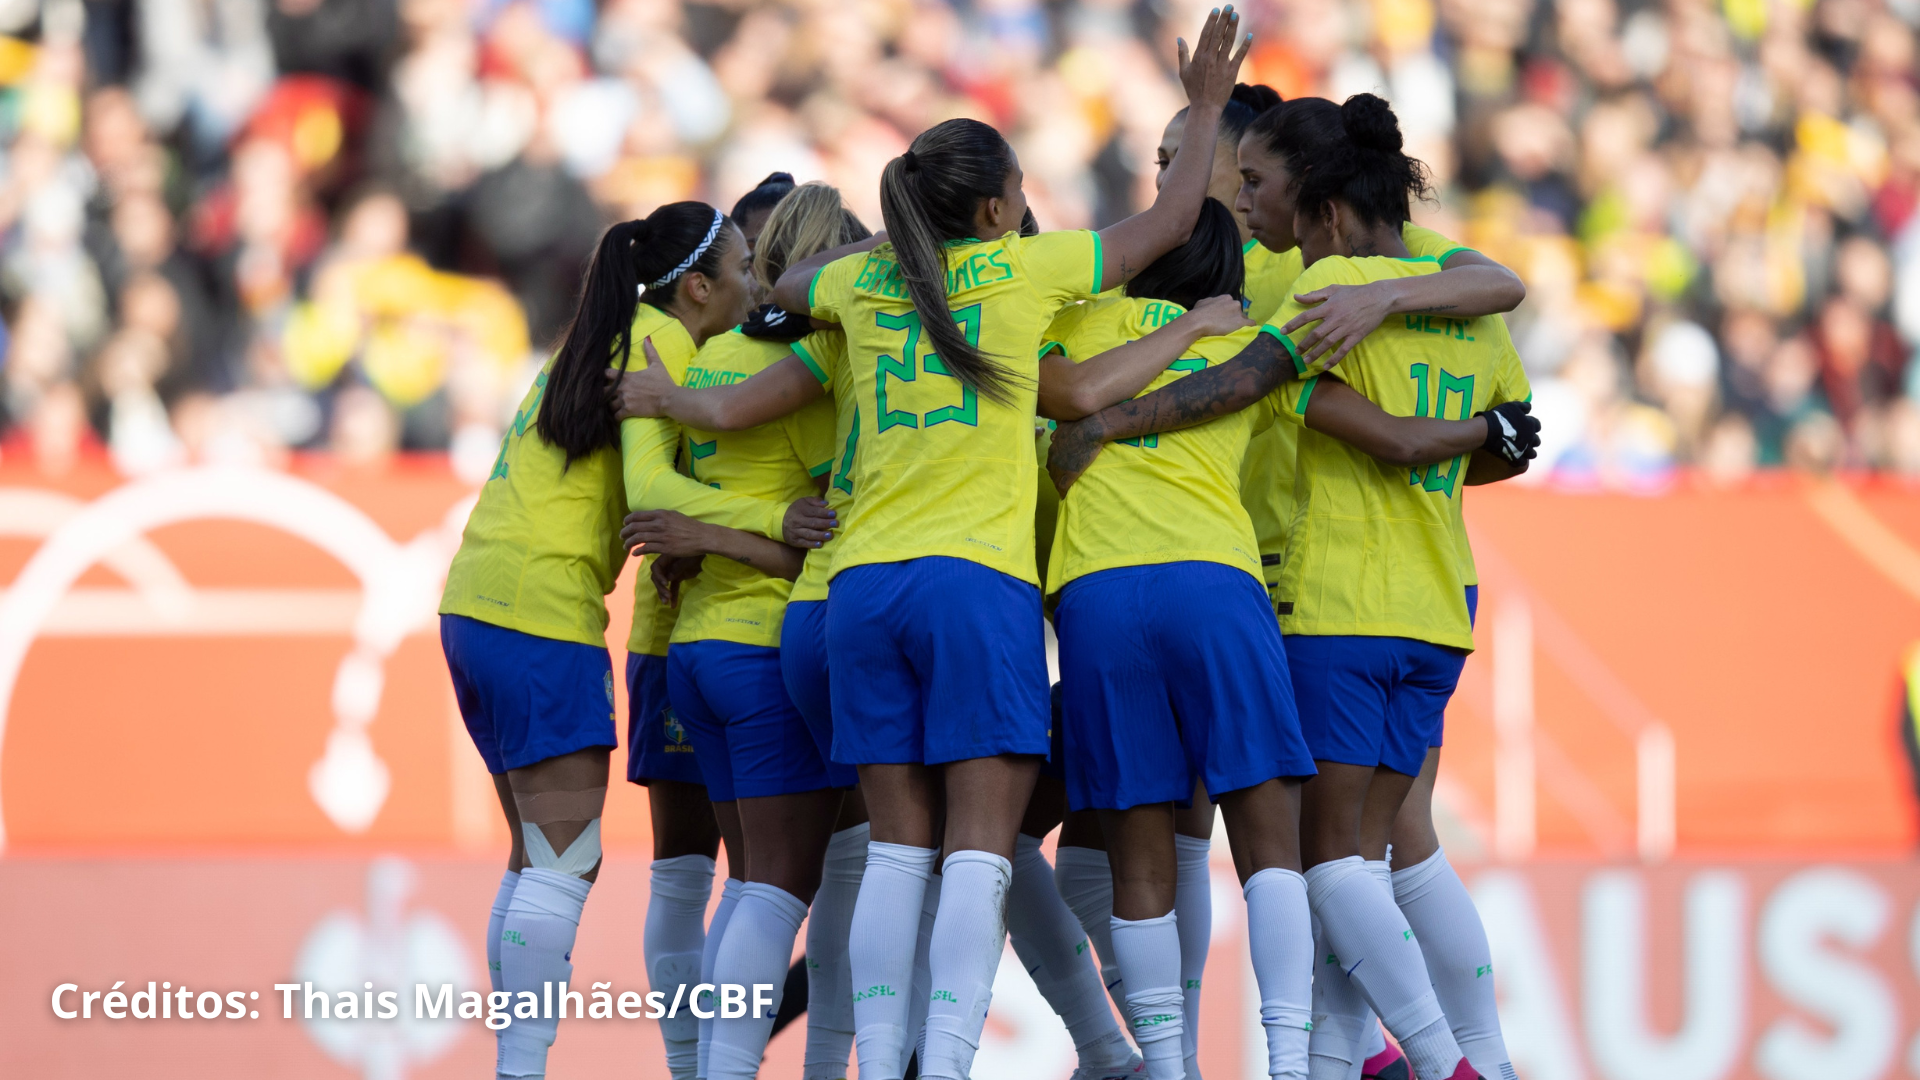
1464, 1071
1388, 1064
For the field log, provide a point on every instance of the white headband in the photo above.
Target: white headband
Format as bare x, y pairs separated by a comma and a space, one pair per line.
686, 264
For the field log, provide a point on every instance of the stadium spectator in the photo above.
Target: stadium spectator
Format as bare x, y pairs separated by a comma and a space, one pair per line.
278, 219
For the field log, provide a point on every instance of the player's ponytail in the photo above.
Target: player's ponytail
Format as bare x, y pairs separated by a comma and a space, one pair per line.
652, 254
809, 220
928, 197
1210, 263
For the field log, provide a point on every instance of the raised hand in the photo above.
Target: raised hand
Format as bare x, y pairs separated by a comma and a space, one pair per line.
640, 392
1209, 72
1217, 316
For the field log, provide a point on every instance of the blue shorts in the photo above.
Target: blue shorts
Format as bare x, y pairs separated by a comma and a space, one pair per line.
1473, 613
658, 746
1055, 767
525, 698
803, 665
935, 660
1171, 671
1372, 700
750, 740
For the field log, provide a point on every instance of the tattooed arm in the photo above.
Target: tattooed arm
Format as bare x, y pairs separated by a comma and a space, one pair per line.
1186, 402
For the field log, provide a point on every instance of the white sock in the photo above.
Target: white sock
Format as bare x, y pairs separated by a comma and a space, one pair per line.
1085, 880
495, 919
675, 938
922, 975
1054, 949
1459, 962
1376, 948
1148, 954
1376, 1041
536, 942
709, 953
829, 980
1341, 1015
969, 934
880, 956
1280, 937
757, 950
1193, 902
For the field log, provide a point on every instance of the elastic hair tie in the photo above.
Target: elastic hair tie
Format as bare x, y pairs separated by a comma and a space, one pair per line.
686, 264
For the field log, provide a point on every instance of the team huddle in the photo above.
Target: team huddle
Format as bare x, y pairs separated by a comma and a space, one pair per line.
1221, 446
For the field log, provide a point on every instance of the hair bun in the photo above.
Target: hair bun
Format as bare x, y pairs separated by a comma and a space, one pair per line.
1256, 96
1370, 123
776, 178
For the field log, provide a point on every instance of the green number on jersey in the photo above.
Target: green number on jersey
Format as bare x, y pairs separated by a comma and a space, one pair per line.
1430, 477
909, 364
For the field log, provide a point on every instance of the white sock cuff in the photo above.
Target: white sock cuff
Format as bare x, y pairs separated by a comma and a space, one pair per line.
1378, 868
1120, 925
1024, 844
1412, 881
550, 892
1191, 847
1081, 860
731, 890
1323, 880
901, 858
683, 877
783, 903
1277, 877
504, 897
983, 858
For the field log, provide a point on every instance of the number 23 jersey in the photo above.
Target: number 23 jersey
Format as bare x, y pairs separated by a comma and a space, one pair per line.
944, 470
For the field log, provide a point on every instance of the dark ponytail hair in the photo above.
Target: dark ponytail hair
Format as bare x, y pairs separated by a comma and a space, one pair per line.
928, 196
764, 196
1210, 263
631, 256
1351, 152
1248, 103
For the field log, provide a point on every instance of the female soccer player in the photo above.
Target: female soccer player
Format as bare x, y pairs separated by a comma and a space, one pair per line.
523, 617
934, 625
726, 669
1372, 669
660, 757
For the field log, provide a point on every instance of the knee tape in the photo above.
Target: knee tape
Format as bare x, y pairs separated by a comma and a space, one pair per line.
579, 859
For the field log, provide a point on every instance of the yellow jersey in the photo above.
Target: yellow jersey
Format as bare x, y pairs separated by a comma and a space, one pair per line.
825, 354
943, 470
1377, 549
1170, 497
653, 621
648, 449
542, 548
1266, 479
728, 600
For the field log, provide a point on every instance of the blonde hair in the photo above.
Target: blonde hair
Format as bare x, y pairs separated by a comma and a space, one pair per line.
805, 222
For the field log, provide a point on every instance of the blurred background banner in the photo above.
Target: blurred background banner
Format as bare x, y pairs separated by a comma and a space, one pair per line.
273, 274
231, 758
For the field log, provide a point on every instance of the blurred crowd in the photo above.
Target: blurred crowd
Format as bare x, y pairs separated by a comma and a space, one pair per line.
235, 229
